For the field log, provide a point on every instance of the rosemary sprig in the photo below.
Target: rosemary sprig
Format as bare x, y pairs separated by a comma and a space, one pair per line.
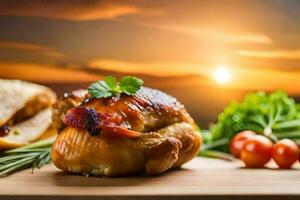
34, 155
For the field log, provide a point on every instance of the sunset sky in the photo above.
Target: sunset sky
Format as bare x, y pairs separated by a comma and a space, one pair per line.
204, 52
257, 41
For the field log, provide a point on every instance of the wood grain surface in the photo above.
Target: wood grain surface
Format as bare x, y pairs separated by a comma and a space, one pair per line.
201, 178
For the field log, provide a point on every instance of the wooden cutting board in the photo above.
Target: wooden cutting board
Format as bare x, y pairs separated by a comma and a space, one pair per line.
202, 178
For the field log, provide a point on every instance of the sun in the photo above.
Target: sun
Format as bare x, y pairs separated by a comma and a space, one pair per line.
222, 75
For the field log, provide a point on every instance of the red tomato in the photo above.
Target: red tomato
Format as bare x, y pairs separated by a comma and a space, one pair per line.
285, 153
256, 151
238, 140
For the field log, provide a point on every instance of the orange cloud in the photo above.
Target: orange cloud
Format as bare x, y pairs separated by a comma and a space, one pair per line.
213, 33
105, 9
69, 10
254, 38
7, 44
283, 54
242, 78
44, 72
184, 74
149, 68
227, 36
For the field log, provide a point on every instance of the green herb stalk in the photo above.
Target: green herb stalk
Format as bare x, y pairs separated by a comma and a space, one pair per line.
33, 156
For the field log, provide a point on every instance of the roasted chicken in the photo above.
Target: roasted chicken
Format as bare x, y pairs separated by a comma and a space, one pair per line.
149, 132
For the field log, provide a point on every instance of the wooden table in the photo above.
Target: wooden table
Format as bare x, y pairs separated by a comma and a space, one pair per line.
201, 178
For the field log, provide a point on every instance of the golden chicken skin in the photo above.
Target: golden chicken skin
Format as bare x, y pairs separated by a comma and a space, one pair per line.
149, 132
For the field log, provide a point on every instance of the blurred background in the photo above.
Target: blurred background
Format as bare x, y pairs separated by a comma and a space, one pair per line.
205, 53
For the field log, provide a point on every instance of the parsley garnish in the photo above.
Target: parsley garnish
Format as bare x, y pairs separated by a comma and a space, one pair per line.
109, 86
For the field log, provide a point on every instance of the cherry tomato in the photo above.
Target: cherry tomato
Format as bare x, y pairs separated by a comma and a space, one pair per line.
238, 140
285, 153
256, 151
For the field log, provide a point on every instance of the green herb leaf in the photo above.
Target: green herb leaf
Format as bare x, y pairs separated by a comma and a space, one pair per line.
111, 82
33, 155
99, 89
274, 115
130, 85
109, 86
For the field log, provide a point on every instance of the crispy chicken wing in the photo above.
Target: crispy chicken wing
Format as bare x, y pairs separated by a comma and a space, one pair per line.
149, 132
